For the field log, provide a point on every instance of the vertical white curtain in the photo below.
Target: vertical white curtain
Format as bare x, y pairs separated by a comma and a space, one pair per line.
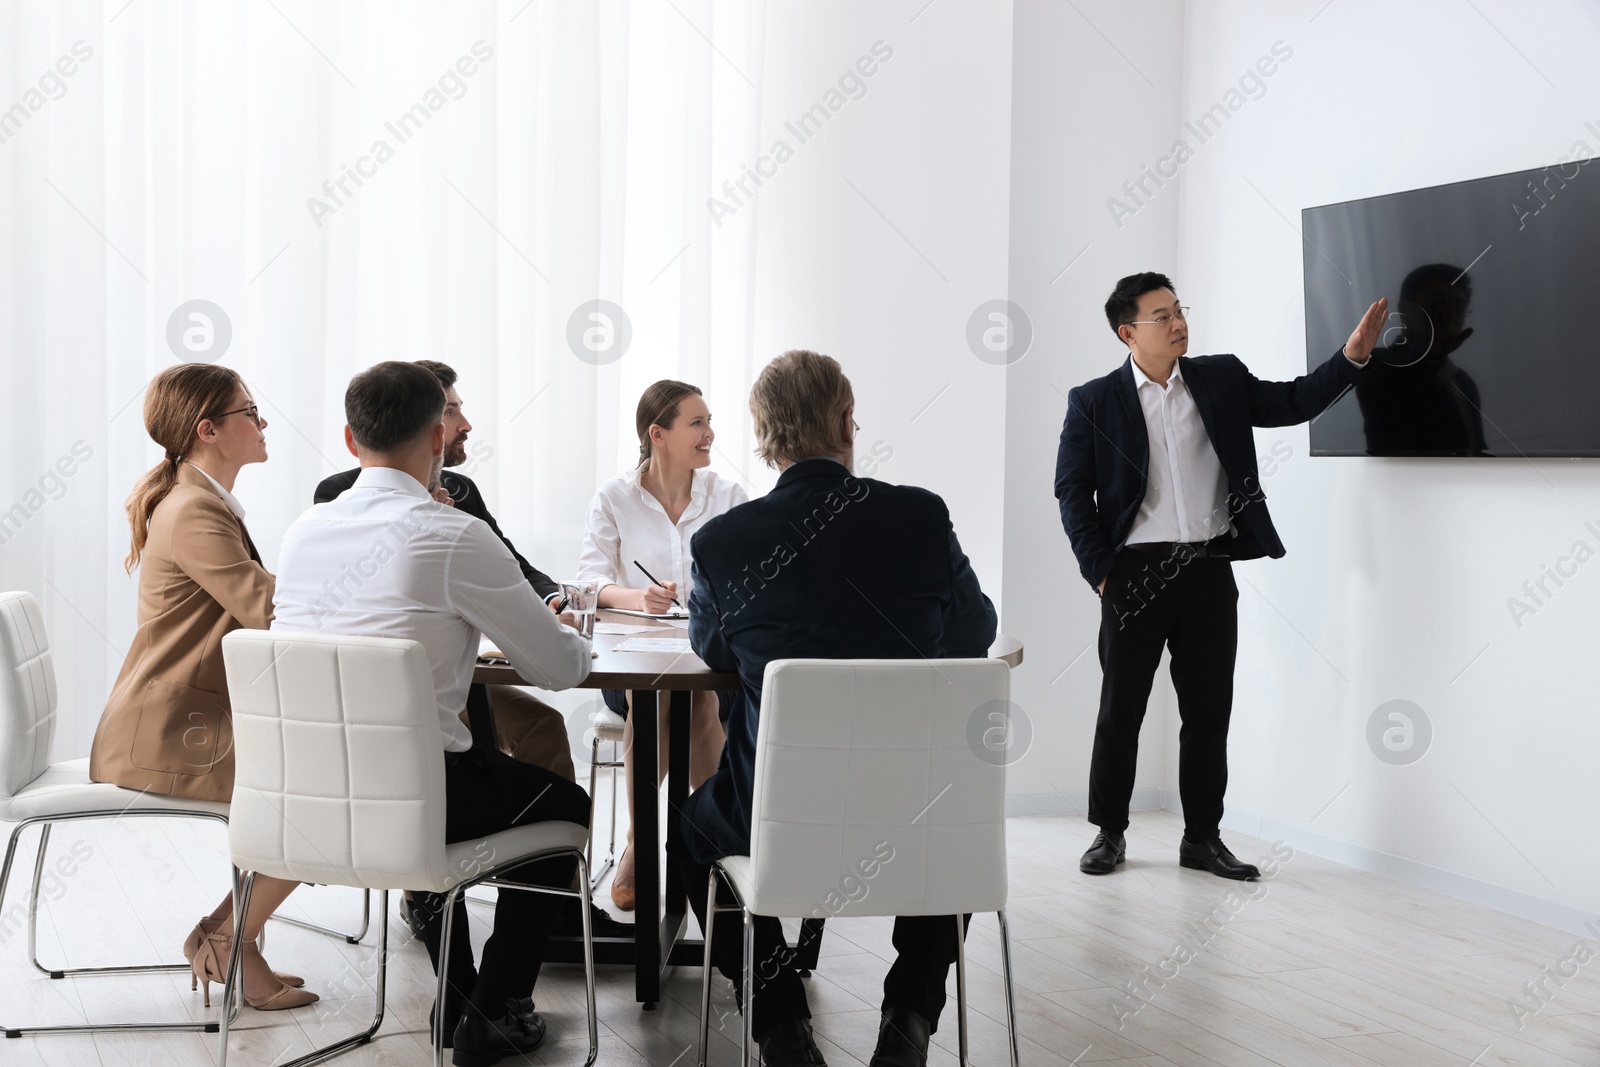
349, 183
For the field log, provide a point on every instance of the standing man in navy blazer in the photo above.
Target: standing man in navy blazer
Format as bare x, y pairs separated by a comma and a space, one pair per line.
1157, 481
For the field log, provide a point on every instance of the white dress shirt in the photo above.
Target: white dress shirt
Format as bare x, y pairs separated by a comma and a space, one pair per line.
385, 559
1186, 494
626, 523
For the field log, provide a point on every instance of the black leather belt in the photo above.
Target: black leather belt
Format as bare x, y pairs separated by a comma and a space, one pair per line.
1216, 548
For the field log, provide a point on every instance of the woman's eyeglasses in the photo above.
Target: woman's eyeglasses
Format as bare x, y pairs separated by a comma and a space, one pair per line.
250, 412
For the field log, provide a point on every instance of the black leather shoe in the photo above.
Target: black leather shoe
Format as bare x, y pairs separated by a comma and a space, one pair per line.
1103, 856
902, 1040
569, 922
1214, 856
789, 1044
481, 1042
413, 917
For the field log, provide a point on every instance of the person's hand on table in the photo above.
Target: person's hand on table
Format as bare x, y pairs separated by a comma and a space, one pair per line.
657, 599
567, 618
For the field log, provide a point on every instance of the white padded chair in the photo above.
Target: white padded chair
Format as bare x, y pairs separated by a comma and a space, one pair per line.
605, 728
339, 778
856, 755
34, 791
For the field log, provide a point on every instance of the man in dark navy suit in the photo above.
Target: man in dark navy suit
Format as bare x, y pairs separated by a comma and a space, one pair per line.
1158, 486
826, 565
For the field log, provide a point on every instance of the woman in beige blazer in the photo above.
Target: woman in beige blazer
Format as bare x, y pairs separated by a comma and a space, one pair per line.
167, 726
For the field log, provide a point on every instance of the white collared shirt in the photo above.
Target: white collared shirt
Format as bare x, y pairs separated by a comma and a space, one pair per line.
227, 497
626, 523
385, 559
1186, 494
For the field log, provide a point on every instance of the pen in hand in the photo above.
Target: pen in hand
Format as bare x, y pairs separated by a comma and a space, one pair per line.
654, 581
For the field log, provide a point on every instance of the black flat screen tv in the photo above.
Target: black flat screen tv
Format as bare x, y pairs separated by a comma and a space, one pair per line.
1492, 347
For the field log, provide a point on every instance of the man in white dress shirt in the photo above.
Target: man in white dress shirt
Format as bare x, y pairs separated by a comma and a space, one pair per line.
1159, 490
387, 560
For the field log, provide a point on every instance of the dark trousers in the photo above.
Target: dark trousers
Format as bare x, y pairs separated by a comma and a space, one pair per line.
926, 947
486, 792
1190, 607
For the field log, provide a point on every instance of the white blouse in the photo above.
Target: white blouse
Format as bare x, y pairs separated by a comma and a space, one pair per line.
626, 523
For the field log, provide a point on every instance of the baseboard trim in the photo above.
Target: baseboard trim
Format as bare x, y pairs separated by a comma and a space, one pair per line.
1413, 872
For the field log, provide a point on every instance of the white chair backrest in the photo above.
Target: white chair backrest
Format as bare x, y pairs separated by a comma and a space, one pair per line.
338, 759
875, 793
27, 693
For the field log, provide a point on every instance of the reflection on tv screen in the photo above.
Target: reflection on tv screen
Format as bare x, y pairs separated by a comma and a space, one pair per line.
1489, 350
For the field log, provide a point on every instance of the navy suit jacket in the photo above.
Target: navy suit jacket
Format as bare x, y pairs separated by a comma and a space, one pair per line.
464, 491
1103, 463
831, 566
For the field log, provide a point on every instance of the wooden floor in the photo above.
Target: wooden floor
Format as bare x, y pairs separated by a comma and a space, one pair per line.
1154, 966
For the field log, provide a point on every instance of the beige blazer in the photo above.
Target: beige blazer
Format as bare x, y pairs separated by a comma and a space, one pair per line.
167, 726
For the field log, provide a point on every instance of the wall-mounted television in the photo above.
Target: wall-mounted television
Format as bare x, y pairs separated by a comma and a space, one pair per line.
1493, 340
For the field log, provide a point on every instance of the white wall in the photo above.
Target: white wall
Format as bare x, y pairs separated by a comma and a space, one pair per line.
885, 230
1399, 571
1087, 111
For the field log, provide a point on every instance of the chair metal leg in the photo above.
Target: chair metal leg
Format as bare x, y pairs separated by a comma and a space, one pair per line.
588, 964
749, 988
961, 988
448, 931
349, 939
705, 969
65, 972
232, 986
33, 931
442, 979
33, 898
1011, 997
616, 767
597, 873
594, 770
233, 990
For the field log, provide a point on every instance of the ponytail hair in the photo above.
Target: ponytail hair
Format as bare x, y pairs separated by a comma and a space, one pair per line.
174, 404
659, 407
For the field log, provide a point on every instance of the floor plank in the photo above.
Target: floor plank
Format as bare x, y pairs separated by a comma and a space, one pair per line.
1154, 966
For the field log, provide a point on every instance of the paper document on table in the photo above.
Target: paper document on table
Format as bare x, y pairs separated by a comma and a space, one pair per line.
487, 653
675, 616
655, 644
621, 628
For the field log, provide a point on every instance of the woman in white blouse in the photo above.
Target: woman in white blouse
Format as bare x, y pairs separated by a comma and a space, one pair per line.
648, 515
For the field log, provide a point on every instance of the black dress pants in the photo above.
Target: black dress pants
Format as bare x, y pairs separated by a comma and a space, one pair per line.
925, 944
1191, 607
487, 791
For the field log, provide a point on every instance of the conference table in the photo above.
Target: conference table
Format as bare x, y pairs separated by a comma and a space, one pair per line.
658, 941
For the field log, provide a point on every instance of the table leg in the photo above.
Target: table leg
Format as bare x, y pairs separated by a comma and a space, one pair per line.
679, 734
646, 850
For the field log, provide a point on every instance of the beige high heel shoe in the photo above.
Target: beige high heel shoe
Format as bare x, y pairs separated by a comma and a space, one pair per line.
623, 894
262, 990
208, 925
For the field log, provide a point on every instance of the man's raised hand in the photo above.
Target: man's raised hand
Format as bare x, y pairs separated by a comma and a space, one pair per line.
1364, 338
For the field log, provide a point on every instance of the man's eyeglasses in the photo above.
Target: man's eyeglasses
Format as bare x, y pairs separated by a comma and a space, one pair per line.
1182, 315
250, 412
